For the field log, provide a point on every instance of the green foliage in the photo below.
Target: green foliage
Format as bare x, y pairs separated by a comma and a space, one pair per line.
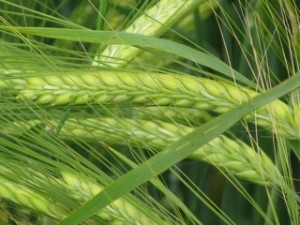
149, 112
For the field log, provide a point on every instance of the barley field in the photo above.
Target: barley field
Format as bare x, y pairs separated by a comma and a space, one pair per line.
155, 112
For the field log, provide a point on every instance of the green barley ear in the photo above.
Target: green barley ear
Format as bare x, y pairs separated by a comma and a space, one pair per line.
77, 187
148, 89
151, 23
241, 160
119, 212
229, 155
186, 24
22, 195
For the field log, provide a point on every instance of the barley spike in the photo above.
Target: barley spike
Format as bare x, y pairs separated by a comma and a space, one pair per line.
22, 195
232, 156
77, 187
151, 23
107, 87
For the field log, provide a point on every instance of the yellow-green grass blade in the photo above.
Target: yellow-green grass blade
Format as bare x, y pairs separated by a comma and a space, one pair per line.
176, 152
121, 38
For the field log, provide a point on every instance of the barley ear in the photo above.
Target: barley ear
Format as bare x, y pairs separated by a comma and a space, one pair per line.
232, 156
151, 23
119, 212
22, 195
138, 88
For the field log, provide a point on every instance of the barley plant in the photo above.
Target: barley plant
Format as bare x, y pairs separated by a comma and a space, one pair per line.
149, 112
